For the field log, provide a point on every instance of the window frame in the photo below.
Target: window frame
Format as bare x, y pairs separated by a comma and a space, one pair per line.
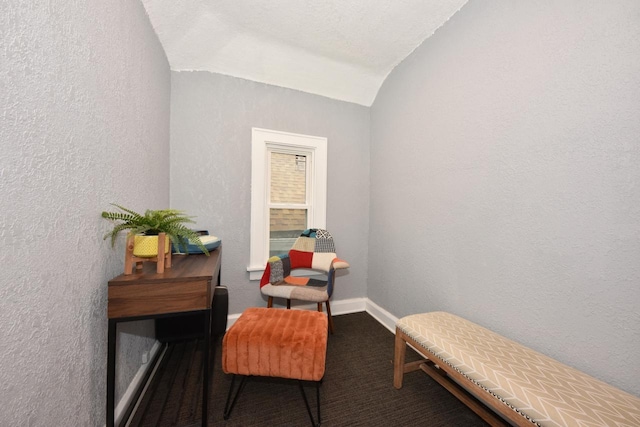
262, 142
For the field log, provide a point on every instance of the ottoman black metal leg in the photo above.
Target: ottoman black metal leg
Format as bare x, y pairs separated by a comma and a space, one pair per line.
228, 407
306, 402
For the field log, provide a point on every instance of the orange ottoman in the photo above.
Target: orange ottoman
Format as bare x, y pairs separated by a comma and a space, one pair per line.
272, 342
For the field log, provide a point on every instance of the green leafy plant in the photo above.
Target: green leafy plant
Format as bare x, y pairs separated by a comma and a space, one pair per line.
169, 221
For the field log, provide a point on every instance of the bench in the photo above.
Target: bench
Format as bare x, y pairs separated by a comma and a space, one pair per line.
487, 371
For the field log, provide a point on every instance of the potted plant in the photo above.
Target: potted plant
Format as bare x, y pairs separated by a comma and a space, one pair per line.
169, 221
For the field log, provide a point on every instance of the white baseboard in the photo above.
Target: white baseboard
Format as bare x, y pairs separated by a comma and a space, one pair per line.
347, 306
338, 307
136, 382
385, 318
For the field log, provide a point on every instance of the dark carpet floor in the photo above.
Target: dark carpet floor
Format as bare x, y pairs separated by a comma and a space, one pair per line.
357, 389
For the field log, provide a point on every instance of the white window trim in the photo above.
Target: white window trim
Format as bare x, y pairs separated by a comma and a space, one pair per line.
261, 141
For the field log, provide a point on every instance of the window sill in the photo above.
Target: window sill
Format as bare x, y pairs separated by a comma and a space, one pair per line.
255, 273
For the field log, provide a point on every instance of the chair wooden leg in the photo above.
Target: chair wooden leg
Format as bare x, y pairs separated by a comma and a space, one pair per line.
329, 316
270, 304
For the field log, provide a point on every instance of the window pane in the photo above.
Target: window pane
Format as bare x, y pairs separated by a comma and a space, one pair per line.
286, 225
288, 178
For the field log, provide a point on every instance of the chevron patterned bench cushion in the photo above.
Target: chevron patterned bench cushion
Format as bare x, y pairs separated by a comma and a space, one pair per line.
541, 389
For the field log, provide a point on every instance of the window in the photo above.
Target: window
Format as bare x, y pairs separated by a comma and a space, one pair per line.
288, 192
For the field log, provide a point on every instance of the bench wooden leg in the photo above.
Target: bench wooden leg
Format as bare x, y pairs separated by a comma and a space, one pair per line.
441, 377
445, 377
398, 359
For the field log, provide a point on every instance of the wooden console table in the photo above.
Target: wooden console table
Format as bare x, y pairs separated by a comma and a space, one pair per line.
185, 288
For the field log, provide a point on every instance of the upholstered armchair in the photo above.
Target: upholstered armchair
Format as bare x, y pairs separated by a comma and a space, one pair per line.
314, 250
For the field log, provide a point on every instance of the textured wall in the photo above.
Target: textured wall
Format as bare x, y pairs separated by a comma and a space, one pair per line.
84, 121
211, 120
505, 184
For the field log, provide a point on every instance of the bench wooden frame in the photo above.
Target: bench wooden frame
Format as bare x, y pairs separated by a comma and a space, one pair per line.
475, 397
503, 381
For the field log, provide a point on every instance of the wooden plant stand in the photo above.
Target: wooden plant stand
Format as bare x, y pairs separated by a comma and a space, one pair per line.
162, 260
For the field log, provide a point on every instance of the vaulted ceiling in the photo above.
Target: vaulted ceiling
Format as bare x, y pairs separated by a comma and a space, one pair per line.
342, 49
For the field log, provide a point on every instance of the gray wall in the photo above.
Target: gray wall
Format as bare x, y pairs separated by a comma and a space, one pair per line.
211, 120
84, 121
505, 179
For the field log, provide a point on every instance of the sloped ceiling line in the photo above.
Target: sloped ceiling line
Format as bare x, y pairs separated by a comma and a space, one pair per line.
338, 49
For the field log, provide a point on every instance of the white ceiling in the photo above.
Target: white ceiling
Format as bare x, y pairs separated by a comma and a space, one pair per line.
342, 49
